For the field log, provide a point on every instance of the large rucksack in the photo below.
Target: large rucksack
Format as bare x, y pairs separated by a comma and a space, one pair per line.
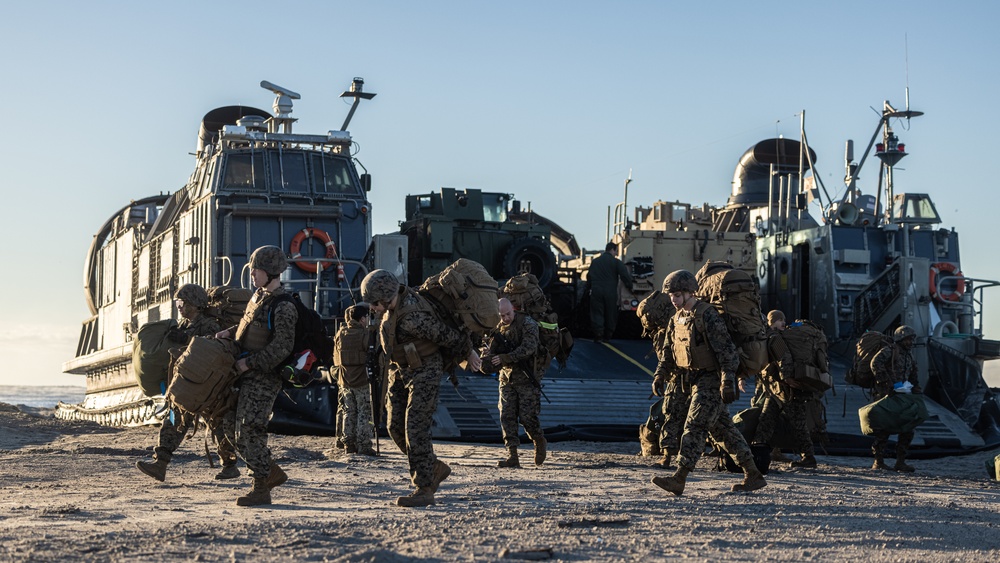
525, 294
654, 312
227, 304
868, 345
464, 294
736, 297
203, 377
807, 344
150, 357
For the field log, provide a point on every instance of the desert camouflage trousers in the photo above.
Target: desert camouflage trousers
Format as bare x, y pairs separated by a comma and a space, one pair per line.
676, 403
413, 398
357, 421
520, 403
796, 412
709, 416
176, 425
247, 425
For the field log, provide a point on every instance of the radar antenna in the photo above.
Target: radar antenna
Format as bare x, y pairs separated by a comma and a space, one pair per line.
357, 92
282, 107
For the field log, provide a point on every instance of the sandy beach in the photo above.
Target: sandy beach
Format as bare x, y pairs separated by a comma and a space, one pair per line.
70, 491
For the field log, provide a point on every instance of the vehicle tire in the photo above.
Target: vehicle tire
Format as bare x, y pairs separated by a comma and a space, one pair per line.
530, 255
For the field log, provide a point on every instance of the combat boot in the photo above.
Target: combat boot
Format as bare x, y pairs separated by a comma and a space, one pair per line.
259, 494
753, 479
674, 483
423, 496
275, 477
512, 459
441, 472
902, 466
229, 471
350, 447
879, 463
540, 450
776, 455
367, 450
667, 462
157, 469
807, 461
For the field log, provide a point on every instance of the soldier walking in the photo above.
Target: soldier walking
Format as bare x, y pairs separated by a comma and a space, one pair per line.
514, 350
602, 277
191, 300
781, 398
266, 335
413, 337
893, 366
703, 355
350, 353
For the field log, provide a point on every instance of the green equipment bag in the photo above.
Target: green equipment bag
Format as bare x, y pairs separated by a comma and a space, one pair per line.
465, 292
150, 357
893, 414
860, 372
203, 377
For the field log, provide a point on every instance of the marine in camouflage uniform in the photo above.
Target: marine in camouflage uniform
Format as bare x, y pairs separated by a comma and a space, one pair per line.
782, 399
191, 300
893, 364
704, 358
266, 335
413, 338
602, 277
514, 349
352, 379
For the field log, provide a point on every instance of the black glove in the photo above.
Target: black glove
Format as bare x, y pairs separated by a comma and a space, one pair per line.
659, 386
728, 387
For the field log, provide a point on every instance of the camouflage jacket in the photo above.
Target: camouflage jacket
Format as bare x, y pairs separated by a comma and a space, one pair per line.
518, 361
893, 364
709, 328
413, 321
266, 355
604, 273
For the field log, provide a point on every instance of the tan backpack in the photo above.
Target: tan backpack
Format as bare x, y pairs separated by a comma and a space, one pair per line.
227, 304
525, 294
736, 297
465, 293
654, 312
203, 377
868, 345
807, 344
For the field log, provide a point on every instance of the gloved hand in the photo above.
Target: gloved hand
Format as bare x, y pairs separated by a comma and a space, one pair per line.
728, 387
659, 386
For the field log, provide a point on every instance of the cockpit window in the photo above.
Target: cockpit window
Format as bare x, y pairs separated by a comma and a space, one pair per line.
288, 172
245, 172
494, 209
331, 175
914, 208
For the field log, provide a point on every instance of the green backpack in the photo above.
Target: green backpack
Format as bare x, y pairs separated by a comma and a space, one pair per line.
150, 357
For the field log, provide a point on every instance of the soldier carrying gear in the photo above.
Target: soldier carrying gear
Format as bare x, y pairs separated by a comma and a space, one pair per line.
894, 366
699, 350
350, 356
270, 259
192, 294
413, 338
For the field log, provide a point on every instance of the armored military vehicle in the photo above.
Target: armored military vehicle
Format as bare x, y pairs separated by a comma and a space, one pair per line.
870, 262
255, 182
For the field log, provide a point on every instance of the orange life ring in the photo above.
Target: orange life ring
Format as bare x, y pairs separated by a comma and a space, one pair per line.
951, 270
319, 234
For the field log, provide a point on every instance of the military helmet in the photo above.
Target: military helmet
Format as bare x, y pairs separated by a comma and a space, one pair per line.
192, 294
356, 312
271, 259
902, 333
680, 280
379, 286
775, 316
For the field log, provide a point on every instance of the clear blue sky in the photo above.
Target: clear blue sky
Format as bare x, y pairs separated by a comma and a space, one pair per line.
552, 101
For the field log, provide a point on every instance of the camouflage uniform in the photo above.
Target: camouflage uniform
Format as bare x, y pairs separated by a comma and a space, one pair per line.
263, 349
603, 276
355, 393
414, 378
520, 386
175, 425
780, 398
892, 364
707, 414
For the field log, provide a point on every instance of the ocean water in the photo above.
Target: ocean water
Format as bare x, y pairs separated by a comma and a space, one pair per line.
41, 396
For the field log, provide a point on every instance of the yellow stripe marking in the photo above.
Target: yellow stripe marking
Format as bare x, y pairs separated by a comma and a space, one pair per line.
627, 357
